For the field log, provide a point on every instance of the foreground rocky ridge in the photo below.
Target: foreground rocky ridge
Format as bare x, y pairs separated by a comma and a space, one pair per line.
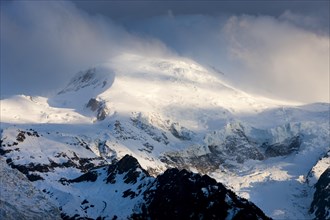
184, 195
175, 194
320, 206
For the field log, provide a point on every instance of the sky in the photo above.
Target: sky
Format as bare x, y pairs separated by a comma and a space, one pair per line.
278, 49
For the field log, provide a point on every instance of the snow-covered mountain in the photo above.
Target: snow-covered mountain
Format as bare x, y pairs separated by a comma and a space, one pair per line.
166, 113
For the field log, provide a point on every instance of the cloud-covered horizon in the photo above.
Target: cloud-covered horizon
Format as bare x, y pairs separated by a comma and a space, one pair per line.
44, 43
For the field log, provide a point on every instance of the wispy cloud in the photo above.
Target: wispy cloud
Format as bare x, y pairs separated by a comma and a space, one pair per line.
44, 43
279, 57
285, 57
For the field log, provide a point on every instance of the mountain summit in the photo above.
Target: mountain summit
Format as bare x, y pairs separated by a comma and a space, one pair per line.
174, 117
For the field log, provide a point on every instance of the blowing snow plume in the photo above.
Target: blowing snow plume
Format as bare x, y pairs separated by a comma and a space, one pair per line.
284, 56
278, 57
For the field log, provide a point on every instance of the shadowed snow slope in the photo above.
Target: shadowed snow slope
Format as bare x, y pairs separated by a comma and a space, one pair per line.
19, 199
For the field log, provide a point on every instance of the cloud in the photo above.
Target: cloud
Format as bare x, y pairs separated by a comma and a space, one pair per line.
43, 43
279, 57
286, 56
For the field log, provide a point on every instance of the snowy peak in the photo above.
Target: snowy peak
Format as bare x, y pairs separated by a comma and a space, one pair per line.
173, 87
96, 78
167, 112
83, 90
128, 165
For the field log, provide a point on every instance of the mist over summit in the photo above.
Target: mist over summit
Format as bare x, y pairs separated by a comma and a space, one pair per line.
282, 55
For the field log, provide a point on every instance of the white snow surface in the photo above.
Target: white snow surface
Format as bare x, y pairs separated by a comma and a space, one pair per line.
147, 97
19, 199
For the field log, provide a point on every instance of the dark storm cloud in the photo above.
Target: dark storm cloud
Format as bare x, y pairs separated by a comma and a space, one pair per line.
315, 13
143, 9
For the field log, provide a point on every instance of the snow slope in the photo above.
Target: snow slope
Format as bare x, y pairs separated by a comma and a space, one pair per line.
20, 199
171, 112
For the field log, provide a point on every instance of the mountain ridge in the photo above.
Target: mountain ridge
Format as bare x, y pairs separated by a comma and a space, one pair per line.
169, 112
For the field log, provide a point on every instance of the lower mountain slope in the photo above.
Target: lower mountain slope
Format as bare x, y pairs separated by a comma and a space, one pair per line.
19, 199
125, 190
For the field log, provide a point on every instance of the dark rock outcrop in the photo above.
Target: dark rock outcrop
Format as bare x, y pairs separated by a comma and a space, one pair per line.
128, 165
88, 78
99, 107
241, 147
284, 148
236, 147
230, 152
320, 206
180, 132
175, 194
90, 176
185, 195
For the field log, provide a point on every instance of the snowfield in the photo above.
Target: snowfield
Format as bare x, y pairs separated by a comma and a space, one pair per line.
168, 112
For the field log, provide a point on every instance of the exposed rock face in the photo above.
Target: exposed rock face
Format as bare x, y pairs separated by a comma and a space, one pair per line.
239, 146
229, 150
320, 206
185, 195
99, 107
86, 79
129, 166
204, 162
284, 148
172, 195
180, 132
